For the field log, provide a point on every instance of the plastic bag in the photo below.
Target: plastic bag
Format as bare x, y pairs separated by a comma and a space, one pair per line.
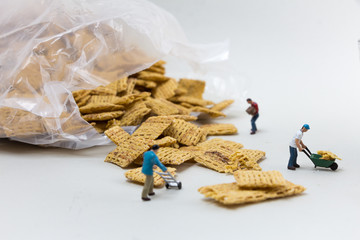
57, 47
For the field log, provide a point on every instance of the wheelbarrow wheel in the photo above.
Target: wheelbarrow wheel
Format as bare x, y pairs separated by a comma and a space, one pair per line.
167, 185
179, 185
334, 166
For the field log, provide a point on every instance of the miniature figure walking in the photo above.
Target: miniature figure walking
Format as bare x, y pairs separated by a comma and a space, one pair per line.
254, 111
296, 142
150, 159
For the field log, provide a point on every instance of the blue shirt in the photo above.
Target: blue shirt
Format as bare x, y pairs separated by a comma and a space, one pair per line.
150, 159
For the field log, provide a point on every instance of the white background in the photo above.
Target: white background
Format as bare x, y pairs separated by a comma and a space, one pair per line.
300, 60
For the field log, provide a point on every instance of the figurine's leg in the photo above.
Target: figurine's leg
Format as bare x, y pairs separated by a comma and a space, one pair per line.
146, 188
151, 189
292, 157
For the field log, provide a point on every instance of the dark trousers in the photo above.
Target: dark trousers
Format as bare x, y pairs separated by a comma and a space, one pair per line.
253, 125
293, 156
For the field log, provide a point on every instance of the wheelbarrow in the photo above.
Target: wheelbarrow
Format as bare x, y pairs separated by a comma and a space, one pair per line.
318, 162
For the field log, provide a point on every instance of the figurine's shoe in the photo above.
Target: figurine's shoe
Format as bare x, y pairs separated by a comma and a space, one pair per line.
296, 165
151, 194
145, 199
291, 168
252, 133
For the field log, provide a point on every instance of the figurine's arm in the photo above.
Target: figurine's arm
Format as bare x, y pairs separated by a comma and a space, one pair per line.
302, 144
299, 144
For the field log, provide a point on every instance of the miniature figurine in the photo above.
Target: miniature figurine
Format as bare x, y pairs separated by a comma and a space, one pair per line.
296, 142
150, 159
254, 111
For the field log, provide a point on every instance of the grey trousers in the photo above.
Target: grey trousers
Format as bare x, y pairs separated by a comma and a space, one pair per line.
148, 186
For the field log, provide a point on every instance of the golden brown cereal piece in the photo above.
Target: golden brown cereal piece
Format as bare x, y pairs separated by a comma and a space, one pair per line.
118, 85
137, 176
117, 135
100, 107
187, 118
159, 63
112, 99
112, 123
78, 94
145, 84
180, 91
259, 179
254, 155
168, 155
166, 89
218, 144
100, 127
127, 152
156, 77
187, 105
21, 123
231, 193
102, 116
134, 114
186, 133
219, 129
83, 101
141, 95
182, 110
153, 127
195, 88
101, 90
161, 107
164, 142
208, 111
212, 159
130, 86
222, 105
327, 155
155, 69
242, 161
191, 100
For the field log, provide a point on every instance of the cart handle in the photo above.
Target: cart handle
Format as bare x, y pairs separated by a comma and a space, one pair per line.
308, 153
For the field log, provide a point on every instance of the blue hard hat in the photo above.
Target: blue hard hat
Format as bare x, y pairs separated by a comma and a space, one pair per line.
306, 126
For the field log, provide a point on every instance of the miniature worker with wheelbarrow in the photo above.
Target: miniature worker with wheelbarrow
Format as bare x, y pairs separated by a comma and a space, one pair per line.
150, 159
296, 142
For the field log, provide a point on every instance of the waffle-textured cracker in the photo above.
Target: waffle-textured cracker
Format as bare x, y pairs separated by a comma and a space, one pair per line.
102, 90
103, 116
100, 107
231, 193
185, 133
259, 179
153, 127
119, 85
161, 107
168, 155
166, 89
191, 100
195, 88
163, 142
127, 151
222, 105
218, 143
152, 76
212, 159
145, 84
219, 129
327, 155
240, 161
134, 114
136, 175
210, 112
112, 99
255, 155
117, 135
188, 118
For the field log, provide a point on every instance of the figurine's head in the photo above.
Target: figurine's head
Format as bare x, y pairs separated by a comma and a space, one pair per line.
305, 128
249, 101
155, 148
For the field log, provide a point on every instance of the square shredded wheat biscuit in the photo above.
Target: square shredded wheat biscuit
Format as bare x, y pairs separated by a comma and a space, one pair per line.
222, 105
219, 129
127, 152
255, 155
259, 179
102, 116
240, 161
134, 114
327, 155
153, 127
168, 155
231, 193
117, 135
136, 175
185, 133
165, 90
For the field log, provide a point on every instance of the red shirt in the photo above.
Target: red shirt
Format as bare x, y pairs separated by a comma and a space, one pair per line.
255, 105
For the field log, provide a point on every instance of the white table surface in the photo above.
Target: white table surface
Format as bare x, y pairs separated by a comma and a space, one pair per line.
300, 60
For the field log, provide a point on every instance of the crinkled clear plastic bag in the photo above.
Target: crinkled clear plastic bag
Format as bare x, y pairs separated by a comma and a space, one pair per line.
49, 48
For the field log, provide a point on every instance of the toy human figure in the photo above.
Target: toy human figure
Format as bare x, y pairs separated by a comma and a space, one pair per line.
296, 142
254, 113
150, 159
